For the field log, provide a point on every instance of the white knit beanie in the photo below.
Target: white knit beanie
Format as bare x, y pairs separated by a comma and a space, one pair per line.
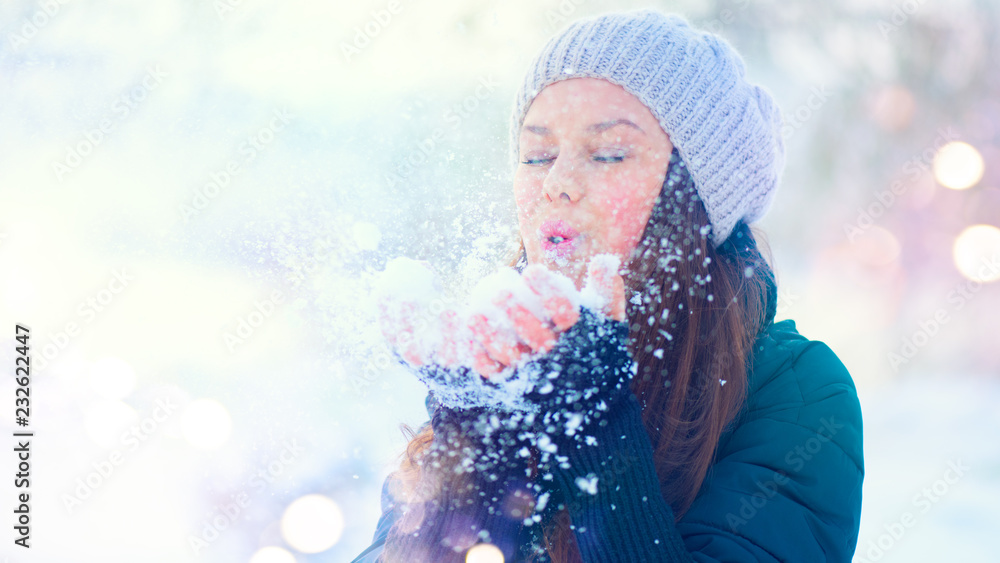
726, 130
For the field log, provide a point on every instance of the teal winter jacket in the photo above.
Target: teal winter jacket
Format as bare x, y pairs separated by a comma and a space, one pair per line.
786, 484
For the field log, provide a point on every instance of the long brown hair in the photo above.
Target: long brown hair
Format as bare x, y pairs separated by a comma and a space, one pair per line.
694, 311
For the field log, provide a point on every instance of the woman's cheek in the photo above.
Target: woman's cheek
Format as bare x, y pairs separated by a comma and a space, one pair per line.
527, 195
628, 227
525, 208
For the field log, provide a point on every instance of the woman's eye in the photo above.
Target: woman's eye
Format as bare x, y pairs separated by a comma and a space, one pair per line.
536, 161
610, 158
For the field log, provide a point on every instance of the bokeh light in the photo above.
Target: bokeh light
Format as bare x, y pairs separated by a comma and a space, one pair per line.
958, 166
312, 523
112, 378
877, 247
977, 253
484, 553
105, 420
206, 424
892, 107
272, 554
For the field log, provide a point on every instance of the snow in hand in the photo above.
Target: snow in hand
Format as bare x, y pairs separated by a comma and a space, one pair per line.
481, 355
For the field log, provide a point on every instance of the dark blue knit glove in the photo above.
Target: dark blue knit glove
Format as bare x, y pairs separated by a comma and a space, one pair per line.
596, 457
583, 377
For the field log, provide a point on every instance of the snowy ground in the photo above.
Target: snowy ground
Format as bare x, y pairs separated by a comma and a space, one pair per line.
915, 429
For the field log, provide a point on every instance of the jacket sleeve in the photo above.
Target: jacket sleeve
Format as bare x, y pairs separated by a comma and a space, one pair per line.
389, 516
613, 493
603, 468
786, 485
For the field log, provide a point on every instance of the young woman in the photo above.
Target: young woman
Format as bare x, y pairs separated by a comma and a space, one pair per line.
681, 423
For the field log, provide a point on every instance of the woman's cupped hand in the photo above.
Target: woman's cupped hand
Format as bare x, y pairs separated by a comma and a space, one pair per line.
509, 316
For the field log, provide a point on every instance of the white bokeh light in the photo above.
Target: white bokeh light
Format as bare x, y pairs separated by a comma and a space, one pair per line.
312, 523
105, 421
484, 553
206, 424
976, 253
958, 166
877, 247
272, 554
112, 378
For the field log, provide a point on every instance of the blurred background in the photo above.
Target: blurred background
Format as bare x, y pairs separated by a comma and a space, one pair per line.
195, 197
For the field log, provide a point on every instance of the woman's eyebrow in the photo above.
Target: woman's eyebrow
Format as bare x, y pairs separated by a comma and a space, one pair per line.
595, 128
599, 127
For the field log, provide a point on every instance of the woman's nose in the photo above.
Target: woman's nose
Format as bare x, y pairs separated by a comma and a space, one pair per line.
562, 181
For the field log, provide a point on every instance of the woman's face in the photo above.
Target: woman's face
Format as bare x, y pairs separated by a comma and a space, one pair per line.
592, 161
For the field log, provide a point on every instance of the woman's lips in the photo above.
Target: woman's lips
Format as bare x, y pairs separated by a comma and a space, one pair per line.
558, 238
